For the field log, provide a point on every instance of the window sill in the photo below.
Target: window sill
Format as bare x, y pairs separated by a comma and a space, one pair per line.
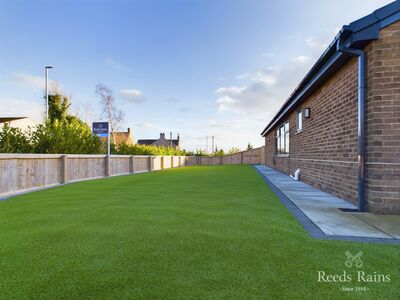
299, 131
282, 155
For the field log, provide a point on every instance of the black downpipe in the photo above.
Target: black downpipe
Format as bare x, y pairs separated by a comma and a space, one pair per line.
361, 119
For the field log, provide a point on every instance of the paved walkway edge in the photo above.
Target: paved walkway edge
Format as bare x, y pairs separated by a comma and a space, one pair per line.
309, 225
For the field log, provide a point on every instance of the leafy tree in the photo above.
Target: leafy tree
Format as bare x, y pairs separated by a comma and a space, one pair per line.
137, 149
199, 152
58, 107
233, 150
218, 152
63, 136
13, 140
249, 146
64, 133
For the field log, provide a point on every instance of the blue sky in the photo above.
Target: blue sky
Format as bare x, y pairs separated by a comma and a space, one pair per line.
198, 68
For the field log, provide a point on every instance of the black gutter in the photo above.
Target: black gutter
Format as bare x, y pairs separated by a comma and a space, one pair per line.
361, 119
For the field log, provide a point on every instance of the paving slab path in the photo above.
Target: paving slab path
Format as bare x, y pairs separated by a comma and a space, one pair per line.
320, 212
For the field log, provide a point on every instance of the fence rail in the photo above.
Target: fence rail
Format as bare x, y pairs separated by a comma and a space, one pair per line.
25, 172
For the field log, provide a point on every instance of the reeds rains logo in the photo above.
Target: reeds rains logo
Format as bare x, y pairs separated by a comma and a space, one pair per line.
354, 272
356, 259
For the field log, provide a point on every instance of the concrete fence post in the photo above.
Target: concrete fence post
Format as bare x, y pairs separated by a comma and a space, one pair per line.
162, 162
220, 160
241, 158
150, 163
132, 164
107, 166
64, 171
179, 162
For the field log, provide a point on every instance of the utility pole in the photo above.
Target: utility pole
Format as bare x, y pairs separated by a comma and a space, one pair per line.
212, 150
170, 139
46, 68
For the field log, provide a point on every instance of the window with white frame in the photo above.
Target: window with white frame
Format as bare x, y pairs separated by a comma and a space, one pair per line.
299, 120
282, 139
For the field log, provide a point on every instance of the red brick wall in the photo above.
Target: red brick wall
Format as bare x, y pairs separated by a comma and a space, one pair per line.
326, 149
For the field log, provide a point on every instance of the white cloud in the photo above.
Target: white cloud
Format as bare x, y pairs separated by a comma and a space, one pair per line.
318, 43
244, 75
31, 81
301, 59
132, 95
147, 125
117, 66
224, 124
12, 107
266, 75
266, 92
245, 100
333, 31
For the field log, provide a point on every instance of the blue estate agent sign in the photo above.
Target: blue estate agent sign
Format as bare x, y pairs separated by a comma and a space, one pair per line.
100, 129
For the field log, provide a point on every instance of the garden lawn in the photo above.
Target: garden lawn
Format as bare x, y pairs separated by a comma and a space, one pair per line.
197, 232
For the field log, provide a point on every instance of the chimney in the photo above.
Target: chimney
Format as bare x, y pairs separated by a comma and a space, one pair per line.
129, 130
162, 136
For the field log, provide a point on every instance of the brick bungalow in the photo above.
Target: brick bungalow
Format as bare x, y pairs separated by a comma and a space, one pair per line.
341, 126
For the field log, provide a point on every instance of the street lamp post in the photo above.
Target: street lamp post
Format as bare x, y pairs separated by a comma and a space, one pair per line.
47, 90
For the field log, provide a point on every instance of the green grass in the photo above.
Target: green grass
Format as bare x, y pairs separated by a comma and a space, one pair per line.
199, 232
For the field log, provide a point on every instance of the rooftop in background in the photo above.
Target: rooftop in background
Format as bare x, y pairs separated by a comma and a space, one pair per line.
9, 119
23, 123
162, 141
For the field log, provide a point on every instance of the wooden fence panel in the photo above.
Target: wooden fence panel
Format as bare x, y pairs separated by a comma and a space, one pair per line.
141, 163
119, 165
167, 162
23, 172
156, 163
80, 167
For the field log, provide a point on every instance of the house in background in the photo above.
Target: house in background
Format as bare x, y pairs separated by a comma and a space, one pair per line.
23, 123
162, 141
342, 142
121, 137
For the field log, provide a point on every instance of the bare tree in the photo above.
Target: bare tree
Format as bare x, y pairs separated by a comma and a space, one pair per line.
109, 107
88, 113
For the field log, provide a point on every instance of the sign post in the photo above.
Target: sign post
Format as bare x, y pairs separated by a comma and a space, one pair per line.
102, 129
